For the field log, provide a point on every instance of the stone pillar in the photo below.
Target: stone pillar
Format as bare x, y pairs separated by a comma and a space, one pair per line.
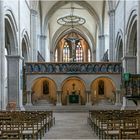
118, 97
111, 34
129, 63
33, 35
2, 55
138, 39
88, 97
14, 81
102, 46
58, 98
43, 45
124, 103
29, 98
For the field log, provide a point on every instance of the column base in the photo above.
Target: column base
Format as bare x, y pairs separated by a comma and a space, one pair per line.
88, 104
123, 107
20, 108
58, 104
118, 104
29, 104
124, 103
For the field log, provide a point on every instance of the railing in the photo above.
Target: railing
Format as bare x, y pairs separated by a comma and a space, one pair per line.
74, 68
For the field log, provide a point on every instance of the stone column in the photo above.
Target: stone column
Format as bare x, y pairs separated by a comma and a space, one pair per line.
43, 45
111, 34
29, 98
2, 55
102, 46
14, 81
58, 98
138, 39
124, 103
118, 97
129, 63
88, 98
33, 35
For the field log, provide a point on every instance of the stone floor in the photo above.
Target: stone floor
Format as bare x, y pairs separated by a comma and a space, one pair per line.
70, 126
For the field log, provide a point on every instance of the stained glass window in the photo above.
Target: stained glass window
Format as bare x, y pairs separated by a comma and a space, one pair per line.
56, 56
79, 53
89, 56
66, 52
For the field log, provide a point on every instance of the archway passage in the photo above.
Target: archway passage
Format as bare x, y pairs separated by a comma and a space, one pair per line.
73, 88
102, 89
44, 90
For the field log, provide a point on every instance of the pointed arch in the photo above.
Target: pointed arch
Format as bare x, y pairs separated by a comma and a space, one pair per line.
11, 30
119, 45
25, 45
131, 30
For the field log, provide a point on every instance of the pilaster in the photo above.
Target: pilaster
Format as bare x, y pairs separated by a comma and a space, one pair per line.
33, 34
59, 103
118, 97
29, 98
111, 34
102, 45
43, 45
88, 98
2, 55
138, 39
129, 63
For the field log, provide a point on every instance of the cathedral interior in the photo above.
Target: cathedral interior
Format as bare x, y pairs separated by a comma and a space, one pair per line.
70, 55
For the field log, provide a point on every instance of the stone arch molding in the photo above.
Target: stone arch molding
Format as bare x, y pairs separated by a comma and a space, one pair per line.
25, 37
36, 79
114, 79
119, 38
12, 29
63, 31
107, 77
75, 78
129, 28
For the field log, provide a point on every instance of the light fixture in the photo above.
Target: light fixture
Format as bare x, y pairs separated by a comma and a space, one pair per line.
71, 19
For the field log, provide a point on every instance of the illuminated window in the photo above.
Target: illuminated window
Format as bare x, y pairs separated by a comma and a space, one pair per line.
89, 56
79, 53
66, 52
56, 56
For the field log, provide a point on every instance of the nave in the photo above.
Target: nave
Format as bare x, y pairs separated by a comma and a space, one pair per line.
71, 126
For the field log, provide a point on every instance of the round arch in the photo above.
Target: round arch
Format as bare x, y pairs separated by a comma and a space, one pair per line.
73, 85
44, 88
102, 88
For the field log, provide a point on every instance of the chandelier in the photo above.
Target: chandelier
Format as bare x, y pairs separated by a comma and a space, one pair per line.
71, 19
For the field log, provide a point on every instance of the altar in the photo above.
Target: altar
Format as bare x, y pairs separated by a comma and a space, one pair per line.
74, 96
73, 99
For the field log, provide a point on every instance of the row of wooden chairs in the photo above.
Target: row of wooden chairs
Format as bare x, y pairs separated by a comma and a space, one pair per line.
115, 124
25, 124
